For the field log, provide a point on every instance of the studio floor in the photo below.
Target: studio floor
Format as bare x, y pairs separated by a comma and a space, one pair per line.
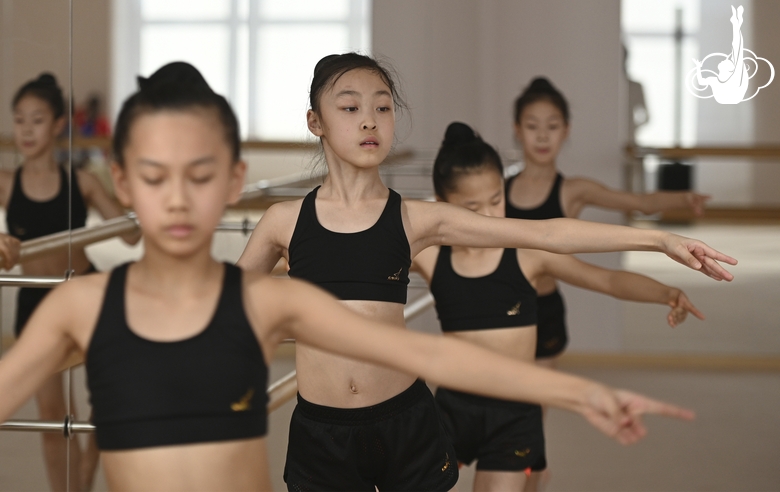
733, 445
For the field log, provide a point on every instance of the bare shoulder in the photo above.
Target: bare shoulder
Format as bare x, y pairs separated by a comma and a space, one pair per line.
283, 212
414, 211
83, 289
415, 206
86, 292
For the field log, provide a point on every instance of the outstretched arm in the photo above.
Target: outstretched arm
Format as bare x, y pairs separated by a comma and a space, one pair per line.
315, 318
42, 348
619, 284
443, 223
587, 192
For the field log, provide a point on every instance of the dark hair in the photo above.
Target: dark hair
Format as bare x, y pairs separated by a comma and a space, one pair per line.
330, 69
540, 89
463, 151
44, 87
175, 86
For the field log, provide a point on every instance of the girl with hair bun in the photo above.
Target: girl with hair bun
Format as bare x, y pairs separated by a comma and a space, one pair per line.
487, 296
540, 191
358, 426
177, 344
37, 197
541, 126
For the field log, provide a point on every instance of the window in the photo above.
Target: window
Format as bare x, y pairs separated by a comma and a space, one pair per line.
259, 53
649, 36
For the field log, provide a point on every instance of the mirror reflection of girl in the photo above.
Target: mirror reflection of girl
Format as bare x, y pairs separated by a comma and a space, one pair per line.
177, 344
488, 297
540, 191
355, 237
36, 200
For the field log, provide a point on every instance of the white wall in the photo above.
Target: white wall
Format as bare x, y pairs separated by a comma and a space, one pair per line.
766, 175
467, 60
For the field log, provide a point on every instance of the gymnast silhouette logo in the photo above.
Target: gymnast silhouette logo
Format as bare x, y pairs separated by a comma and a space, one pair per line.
730, 84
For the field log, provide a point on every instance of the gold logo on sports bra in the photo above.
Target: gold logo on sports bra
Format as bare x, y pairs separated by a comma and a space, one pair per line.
446, 462
396, 275
522, 454
244, 403
551, 343
514, 311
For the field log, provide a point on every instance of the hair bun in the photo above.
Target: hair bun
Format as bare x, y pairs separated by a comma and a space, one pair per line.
541, 84
175, 74
46, 79
459, 133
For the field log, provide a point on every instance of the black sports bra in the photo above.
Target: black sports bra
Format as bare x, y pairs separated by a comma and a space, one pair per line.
29, 219
550, 209
502, 299
209, 387
370, 265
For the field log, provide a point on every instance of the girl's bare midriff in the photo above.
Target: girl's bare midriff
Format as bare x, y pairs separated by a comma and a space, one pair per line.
230, 465
340, 382
518, 343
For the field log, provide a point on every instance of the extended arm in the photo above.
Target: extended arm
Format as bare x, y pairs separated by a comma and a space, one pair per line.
619, 284
42, 348
316, 319
587, 192
442, 223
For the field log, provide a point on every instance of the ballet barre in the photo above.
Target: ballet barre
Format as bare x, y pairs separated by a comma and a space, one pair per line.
42, 246
279, 392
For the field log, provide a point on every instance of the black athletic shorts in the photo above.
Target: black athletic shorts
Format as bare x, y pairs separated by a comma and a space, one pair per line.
29, 298
551, 334
501, 435
399, 444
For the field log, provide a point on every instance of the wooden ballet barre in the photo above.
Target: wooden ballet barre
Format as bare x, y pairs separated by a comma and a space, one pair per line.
271, 187
758, 152
42, 246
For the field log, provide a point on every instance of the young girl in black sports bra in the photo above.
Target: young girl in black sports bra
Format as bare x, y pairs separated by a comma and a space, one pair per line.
359, 426
488, 297
177, 344
540, 192
37, 199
